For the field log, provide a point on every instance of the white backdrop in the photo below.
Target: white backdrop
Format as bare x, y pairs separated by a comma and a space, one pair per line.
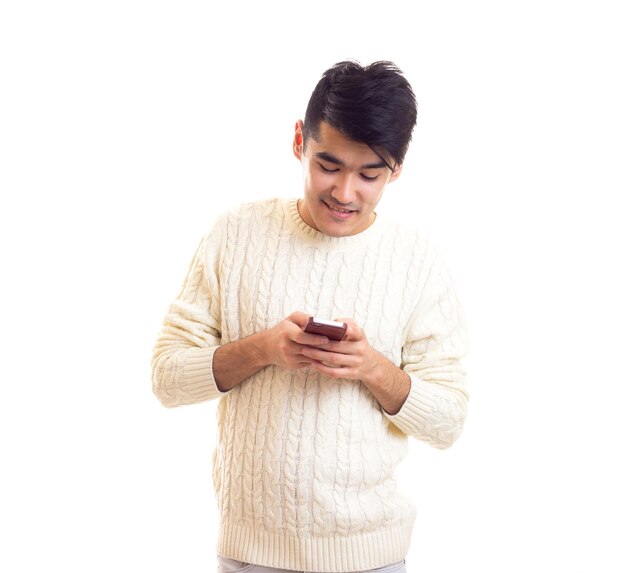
126, 126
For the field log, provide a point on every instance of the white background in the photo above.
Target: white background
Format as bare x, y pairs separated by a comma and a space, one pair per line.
127, 126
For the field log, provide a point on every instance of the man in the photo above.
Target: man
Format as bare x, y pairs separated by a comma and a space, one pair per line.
311, 429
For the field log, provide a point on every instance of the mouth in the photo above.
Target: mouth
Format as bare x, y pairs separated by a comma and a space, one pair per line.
339, 212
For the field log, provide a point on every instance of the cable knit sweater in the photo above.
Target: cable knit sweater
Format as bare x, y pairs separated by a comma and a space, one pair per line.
304, 466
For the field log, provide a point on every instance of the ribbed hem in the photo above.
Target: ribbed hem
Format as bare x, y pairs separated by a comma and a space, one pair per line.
342, 554
198, 380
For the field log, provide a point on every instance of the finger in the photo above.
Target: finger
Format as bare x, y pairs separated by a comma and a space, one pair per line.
333, 359
341, 347
308, 339
299, 318
354, 331
332, 372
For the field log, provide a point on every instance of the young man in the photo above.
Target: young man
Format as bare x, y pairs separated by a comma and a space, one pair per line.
311, 429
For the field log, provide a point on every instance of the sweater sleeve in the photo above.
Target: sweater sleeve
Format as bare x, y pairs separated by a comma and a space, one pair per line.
436, 406
182, 359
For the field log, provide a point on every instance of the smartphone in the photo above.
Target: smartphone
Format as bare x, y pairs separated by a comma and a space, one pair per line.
330, 328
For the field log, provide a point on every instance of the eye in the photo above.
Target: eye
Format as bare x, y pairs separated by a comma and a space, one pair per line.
326, 170
368, 178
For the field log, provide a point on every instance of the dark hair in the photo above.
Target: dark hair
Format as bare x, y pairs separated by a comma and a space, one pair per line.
374, 105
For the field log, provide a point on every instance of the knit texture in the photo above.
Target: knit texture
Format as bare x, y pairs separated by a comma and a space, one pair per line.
304, 464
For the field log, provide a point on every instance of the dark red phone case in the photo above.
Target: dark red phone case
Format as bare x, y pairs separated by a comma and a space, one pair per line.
332, 332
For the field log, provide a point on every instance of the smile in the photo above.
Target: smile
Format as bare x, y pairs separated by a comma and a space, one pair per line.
343, 213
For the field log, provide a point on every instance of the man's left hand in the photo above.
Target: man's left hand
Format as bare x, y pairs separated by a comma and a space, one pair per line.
353, 358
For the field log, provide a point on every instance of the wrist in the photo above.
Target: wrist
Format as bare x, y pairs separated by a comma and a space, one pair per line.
374, 370
389, 384
261, 347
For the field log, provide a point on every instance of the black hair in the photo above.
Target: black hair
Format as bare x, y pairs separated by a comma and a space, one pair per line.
371, 104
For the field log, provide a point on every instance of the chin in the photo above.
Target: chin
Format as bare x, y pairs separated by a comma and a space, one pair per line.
333, 231
336, 234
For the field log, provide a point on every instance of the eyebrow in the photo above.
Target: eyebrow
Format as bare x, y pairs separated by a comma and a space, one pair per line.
325, 156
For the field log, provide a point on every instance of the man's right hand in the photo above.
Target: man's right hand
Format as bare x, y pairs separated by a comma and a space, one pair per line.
283, 343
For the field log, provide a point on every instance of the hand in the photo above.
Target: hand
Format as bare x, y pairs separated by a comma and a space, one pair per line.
353, 358
285, 342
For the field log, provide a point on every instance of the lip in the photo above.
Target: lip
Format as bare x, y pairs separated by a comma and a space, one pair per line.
337, 214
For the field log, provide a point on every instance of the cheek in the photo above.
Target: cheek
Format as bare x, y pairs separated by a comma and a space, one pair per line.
373, 195
318, 181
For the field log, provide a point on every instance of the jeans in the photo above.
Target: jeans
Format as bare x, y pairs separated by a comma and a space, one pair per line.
228, 565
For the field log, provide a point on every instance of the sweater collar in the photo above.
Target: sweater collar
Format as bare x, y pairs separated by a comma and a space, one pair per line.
318, 238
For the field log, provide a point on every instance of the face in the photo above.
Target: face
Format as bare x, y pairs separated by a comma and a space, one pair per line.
343, 182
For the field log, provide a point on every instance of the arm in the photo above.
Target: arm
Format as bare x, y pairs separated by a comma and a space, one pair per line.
235, 362
354, 359
189, 363
182, 359
281, 345
426, 396
436, 406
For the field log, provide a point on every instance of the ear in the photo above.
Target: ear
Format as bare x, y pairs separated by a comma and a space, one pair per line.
298, 141
396, 173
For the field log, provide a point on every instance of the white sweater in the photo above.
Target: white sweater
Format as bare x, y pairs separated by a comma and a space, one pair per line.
304, 466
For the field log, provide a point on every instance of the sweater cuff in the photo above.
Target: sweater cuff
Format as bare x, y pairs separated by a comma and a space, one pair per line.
430, 413
412, 416
198, 381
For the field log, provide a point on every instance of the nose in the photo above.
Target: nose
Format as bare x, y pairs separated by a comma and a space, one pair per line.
344, 190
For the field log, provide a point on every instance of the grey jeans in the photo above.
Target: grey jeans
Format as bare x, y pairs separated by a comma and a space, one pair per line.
228, 565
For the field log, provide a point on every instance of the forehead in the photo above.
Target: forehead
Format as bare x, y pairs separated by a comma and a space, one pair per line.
331, 140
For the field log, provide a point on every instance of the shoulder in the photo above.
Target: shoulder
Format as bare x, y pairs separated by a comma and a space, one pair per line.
243, 215
408, 240
254, 208
238, 222
243, 211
